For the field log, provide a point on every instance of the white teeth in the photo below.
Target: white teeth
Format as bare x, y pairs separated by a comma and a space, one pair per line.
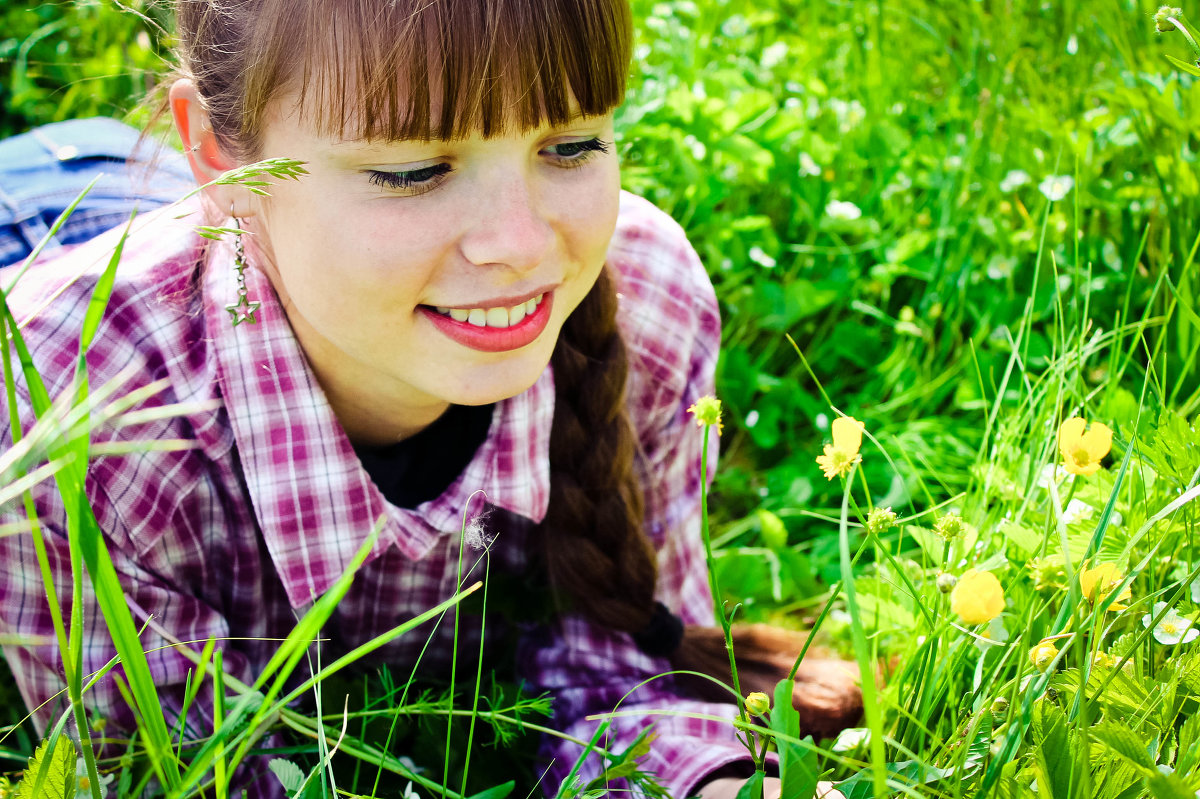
492, 317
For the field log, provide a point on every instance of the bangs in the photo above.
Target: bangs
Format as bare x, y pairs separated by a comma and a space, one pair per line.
437, 69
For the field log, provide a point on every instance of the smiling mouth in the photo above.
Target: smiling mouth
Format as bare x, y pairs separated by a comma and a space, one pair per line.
493, 317
499, 329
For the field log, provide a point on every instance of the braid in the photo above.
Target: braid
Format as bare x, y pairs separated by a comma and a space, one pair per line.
598, 560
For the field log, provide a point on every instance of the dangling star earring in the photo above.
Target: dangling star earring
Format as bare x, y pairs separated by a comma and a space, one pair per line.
242, 310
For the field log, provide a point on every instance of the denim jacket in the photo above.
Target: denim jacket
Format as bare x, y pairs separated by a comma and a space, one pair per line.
44, 170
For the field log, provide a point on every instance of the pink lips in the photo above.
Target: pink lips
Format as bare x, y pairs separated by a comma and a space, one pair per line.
495, 339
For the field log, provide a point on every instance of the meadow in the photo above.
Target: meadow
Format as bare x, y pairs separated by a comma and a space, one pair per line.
962, 225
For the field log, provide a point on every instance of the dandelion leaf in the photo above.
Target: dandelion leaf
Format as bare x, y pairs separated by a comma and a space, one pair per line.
1122, 741
50, 775
288, 773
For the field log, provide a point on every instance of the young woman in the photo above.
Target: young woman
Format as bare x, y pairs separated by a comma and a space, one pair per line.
455, 311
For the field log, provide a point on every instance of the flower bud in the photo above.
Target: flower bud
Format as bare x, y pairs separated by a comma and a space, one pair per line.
880, 520
1161, 17
946, 582
999, 706
758, 703
1043, 654
951, 526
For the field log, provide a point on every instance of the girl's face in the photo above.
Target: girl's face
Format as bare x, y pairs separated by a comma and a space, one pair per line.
419, 274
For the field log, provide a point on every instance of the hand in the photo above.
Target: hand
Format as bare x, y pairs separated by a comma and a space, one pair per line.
728, 787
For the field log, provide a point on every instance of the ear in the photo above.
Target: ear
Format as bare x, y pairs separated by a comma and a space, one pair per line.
205, 156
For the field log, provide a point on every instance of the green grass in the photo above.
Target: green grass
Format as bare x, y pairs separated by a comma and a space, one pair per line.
954, 309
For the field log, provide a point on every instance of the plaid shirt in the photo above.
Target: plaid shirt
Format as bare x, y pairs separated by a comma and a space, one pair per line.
236, 536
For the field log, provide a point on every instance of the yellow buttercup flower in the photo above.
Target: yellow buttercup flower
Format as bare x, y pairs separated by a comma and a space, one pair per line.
1098, 584
1043, 653
1082, 452
840, 457
977, 598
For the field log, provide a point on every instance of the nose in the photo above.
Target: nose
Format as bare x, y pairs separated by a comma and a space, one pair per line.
512, 226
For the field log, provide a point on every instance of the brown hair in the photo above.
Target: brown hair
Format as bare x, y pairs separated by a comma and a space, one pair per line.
404, 69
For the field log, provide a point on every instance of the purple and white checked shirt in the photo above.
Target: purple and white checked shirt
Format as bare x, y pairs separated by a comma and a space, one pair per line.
235, 537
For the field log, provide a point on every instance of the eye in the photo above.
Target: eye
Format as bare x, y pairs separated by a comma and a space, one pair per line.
577, 153
412, 182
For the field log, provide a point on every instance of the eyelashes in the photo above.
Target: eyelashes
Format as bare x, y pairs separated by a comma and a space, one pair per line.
414, 182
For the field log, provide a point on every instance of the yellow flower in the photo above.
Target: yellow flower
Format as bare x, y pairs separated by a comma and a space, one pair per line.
757, 703
1082, 452
1043, 653
977, 597
841, 456
1098, 584
707, 411
1104, 660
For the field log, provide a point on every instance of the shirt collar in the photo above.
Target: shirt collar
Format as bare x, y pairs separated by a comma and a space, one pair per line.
313, 501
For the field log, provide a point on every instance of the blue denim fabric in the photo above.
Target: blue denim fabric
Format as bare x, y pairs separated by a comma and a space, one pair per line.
43, 171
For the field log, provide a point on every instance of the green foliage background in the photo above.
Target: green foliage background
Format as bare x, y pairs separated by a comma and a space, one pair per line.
755, 124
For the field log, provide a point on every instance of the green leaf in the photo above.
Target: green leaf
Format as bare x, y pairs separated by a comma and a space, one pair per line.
1189, 744
50, 777
752, 789
1169, 786
909, 772
1190, 69
496, 792
1122, 741
288, 773
797, 764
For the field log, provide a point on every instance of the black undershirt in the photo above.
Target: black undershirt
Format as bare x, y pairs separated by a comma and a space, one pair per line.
422, 467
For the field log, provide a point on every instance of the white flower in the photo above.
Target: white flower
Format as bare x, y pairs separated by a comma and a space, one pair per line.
760, 257
1172, 628
851, 738
1056, 187
1077, 510
1052, 473
809, 167
847, 211
1015, 179
1195, 590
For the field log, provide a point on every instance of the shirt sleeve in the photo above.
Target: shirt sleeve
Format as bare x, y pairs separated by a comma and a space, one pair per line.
670, 321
